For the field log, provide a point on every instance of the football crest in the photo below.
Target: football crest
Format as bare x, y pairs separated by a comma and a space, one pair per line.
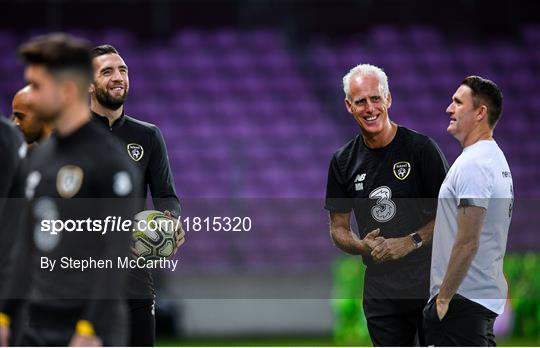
402, 170
69, 180
135, 151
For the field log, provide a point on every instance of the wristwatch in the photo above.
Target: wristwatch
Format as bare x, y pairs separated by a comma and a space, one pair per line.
417, 240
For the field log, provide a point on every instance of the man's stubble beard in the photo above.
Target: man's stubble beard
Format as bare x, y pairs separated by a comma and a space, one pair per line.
105, 99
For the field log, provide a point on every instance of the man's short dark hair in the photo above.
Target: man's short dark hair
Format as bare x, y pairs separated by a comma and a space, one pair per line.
59, 53
487, 92
102, 50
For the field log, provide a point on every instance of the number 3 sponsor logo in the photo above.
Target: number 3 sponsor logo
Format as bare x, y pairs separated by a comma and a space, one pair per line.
385, 209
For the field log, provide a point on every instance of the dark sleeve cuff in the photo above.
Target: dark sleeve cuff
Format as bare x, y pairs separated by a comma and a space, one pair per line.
474, 202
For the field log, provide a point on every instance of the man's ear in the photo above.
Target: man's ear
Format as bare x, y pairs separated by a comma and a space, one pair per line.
68, 90
482, 113
348, 105
389, 101
91, 88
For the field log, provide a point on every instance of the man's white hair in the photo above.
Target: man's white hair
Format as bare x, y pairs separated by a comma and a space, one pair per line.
366, 70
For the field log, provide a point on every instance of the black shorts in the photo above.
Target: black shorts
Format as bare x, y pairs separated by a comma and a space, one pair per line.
142, 322
19, 320
52, 323
466, 323
395, 322
393, 304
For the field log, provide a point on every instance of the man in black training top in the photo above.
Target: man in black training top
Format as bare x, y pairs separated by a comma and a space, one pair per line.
72, 176
142, 143
34, 131
13, 151
390, 177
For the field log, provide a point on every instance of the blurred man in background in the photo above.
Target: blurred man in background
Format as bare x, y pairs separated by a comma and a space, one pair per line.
34, 130
468, 287
389, 176
143, 144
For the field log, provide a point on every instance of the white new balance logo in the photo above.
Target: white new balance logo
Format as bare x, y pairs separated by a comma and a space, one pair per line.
358, 184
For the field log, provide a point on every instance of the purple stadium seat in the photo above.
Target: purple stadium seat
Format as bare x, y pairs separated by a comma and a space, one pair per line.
386, 36
423, 39
120, 39
263, 41
187, 39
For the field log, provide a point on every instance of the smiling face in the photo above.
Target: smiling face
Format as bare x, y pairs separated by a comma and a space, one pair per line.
368, 105
111, 82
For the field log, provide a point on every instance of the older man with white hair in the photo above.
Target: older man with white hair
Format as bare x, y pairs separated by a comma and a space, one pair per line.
390, 177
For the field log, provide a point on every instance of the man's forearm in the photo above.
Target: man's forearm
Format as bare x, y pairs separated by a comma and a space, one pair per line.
426, 232
170, 203
458, 266
470, 221
347, 241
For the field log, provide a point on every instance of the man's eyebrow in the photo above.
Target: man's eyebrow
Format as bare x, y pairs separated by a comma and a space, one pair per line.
364, 98
110, 68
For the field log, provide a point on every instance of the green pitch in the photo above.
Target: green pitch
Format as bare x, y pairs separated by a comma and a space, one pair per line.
297, 342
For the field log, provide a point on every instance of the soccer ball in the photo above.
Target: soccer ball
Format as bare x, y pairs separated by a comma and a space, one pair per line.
153, 234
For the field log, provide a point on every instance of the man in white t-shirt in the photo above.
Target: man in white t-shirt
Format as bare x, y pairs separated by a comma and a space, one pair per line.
467, 286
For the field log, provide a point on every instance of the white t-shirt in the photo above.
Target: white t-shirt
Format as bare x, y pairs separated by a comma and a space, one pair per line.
481, 176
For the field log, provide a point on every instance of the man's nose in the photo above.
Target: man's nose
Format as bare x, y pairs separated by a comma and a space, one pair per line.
117, 76
369, 107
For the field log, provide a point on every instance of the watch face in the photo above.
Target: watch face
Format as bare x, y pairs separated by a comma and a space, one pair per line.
416, 237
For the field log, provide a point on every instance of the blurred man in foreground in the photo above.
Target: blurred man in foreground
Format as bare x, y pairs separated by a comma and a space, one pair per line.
72, 177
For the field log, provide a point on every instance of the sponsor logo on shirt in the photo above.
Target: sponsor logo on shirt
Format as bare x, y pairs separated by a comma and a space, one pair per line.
358, 182
69, 180
45, 209
401, 170
135, 151
32, 181
384, 209
122, 185
23, 150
